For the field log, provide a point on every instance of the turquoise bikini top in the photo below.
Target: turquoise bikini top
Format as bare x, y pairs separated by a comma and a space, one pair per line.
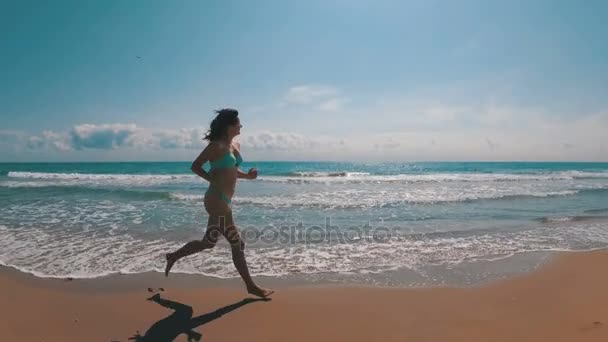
226, 161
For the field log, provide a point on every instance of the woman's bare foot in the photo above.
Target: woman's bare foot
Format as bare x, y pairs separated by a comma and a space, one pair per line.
170, 261
260, 292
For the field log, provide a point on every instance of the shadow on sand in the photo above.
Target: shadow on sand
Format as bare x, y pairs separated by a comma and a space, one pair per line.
182, 322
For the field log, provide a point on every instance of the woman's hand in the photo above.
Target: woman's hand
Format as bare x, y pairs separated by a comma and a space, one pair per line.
253, 173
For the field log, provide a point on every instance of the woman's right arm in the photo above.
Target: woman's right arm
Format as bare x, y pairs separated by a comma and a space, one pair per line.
197, 164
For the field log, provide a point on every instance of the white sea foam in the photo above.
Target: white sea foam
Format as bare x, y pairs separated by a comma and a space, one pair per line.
329, 174
371, 198
123, 223
186, 197
383, 198
67, 179
323, 177
86, 254
297, 177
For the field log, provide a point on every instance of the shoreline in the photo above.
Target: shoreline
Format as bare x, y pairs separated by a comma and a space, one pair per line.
564, 300
519, 264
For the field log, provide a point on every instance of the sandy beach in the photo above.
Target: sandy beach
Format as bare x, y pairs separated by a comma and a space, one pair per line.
563, 301
411, 171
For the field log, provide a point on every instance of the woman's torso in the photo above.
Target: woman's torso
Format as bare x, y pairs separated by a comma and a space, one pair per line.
224, 170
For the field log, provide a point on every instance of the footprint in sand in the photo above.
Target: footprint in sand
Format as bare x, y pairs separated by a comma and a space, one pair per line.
594, 325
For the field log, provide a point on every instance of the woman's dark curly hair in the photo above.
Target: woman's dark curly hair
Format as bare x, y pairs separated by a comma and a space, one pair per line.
225, 117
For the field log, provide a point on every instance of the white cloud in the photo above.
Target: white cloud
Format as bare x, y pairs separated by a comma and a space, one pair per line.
314, 98
277, 141
48, 140
188, 138
36, 142
305, 94
537, 141
106, 136
268, 145
586, 142
58, 141
436, 113
529, 136
333, 104
110, 137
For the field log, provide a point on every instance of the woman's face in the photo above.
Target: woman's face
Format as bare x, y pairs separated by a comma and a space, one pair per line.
234, 130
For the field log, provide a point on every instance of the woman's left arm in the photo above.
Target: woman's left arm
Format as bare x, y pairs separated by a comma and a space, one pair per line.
252, 174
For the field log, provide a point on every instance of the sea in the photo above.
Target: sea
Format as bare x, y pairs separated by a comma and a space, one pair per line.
385, 224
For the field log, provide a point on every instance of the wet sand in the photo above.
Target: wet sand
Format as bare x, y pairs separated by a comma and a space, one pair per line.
565, 300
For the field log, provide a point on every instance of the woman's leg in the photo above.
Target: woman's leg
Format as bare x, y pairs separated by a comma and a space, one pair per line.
209, 240
238, 257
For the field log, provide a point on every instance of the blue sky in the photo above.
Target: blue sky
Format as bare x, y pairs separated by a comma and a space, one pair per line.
322, 80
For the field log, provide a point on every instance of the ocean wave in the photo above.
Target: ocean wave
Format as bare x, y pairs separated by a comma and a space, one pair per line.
76, 179
362, 177
313, 176
354, 199
326, 200
186, 197
328, 174
341, 200
426, 189
323, 200
600, 210
346, 200
95, 176
574, 218
132, 194
85, 254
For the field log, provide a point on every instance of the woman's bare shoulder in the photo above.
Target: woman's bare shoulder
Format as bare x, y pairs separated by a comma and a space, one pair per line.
217, 149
